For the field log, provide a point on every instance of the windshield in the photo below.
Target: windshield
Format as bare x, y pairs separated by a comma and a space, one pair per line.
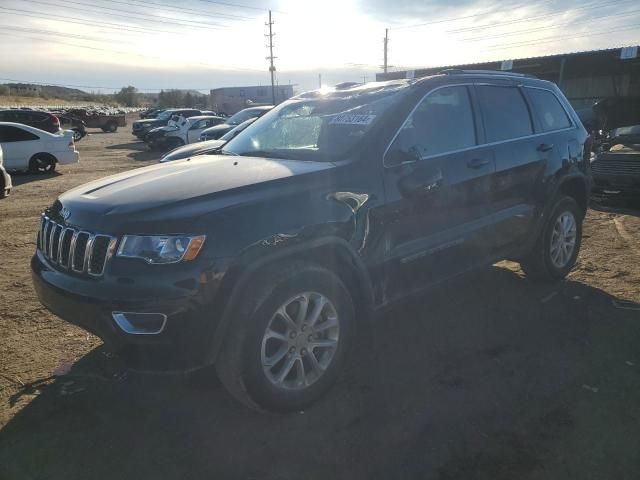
321, 128
165, 115
243, 115
235, 131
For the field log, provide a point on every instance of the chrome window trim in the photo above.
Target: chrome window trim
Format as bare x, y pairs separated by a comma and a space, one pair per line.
479, 145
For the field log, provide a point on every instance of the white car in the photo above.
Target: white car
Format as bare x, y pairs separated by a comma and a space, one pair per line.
5, 180
28, 148
192, 127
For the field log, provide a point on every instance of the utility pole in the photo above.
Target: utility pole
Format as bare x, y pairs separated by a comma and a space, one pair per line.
386, 47
364, 79
272, 68
319, 80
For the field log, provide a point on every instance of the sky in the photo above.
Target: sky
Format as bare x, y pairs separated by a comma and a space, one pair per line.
102, 45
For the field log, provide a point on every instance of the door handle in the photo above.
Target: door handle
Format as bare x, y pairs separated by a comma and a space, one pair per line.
545, 147
477, 163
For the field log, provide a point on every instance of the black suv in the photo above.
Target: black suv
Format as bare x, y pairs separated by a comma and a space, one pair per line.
263, 261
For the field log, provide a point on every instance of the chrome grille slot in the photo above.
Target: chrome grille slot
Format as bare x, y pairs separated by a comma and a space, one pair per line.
79, 251
73, 249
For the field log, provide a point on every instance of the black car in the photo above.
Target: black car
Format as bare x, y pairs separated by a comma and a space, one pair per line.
34, 118
206, 147
616, 165
141, 127
214, 133
68, 122
151, 113
268, 261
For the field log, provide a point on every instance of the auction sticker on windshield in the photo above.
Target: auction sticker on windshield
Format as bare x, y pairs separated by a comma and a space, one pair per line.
352, 119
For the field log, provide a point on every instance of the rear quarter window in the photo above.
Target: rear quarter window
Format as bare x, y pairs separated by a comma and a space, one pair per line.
549, 110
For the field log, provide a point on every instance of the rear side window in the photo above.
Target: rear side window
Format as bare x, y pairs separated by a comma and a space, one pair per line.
13, 134
547, 106
442, 122
505, 113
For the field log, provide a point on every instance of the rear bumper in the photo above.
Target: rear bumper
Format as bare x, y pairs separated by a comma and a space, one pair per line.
5, 180
93, 304
65, 158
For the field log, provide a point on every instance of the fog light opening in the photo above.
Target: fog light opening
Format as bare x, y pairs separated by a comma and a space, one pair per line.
136, 323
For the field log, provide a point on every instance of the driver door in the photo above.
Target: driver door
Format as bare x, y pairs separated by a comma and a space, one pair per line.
438, 187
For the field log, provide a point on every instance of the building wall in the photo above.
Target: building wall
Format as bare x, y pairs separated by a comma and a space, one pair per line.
232, 100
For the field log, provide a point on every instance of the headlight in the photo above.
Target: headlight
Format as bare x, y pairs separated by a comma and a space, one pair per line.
161, 248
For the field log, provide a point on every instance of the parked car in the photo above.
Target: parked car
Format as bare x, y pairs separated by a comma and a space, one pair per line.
5, 179
151, 113
34, 118
141, 127
207, 147
218, 131
616, 165
170, 137
28, 148
330, 207
107, 122
77, 126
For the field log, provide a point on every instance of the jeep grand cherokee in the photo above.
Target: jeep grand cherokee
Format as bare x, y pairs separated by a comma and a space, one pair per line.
265, 261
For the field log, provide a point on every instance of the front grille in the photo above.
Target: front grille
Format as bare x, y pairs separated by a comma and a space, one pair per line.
617, 164
73, 249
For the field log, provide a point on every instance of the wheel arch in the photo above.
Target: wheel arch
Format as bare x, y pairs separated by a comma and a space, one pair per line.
333, 253
48, 155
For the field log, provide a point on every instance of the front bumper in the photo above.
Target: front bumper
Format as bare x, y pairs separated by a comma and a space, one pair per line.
90, 303
619, 185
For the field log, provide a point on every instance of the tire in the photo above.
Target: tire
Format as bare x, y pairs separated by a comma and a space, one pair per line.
546, 262
110, 127
77, 135
42, 163
246, 350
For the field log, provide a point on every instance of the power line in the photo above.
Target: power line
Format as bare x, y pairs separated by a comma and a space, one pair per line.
537, 17
48, 84
548, 27
184, 9
562, 37
80, 21
237, 5
140, 17
466, 17
130, 53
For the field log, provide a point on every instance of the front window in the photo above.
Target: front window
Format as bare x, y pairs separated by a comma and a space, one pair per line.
241, 116
166, 115
320, 128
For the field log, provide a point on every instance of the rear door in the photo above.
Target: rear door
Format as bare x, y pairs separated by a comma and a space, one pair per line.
17, 146
519, 159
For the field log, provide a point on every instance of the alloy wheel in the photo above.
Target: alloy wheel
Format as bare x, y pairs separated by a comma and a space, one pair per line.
563, 239
300, 341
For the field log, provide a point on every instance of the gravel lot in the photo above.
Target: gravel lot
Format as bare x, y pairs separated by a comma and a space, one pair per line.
488, 377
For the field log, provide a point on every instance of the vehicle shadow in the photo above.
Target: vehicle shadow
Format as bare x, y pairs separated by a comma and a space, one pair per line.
21, 178
615, 205
138, 150
475, 379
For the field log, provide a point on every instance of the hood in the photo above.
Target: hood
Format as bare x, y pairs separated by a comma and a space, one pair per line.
193, 149
222, 128
149, 123
162, 196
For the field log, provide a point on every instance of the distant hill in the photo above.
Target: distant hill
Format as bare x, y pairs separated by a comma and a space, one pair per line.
44, 91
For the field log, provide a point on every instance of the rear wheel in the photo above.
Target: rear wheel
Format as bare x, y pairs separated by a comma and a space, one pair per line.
110, 127
77, 135
557, 248
288, 343
42, 163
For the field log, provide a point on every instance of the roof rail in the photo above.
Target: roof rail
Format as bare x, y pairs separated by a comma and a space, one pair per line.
458, 71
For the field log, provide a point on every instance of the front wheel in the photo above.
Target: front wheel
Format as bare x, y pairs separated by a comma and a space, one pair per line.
110, 127
288, 344
557, 248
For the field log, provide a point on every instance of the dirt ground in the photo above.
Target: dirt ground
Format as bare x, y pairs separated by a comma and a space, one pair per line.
488, 377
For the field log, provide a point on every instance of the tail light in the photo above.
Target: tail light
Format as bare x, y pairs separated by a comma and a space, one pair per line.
56, 120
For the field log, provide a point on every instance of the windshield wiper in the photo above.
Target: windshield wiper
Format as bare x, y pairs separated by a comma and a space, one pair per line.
227, 152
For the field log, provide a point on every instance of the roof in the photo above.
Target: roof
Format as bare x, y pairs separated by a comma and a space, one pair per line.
253, 86
545, 67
